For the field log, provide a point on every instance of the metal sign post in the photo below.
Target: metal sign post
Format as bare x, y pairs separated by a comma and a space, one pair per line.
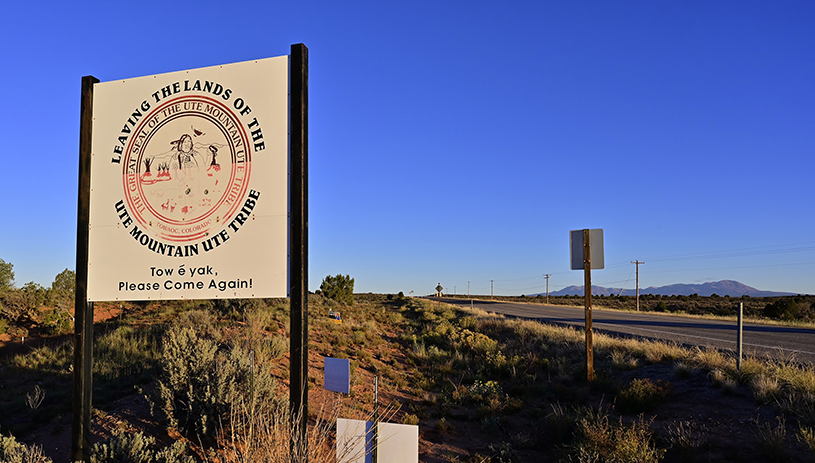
375, 427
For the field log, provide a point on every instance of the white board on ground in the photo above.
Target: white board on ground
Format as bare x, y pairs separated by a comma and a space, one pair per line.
398, 443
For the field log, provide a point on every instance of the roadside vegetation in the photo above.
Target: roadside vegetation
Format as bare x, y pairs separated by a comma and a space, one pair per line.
482, 388
794, 310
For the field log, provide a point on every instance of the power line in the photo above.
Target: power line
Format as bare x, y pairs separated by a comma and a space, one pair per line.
743, 252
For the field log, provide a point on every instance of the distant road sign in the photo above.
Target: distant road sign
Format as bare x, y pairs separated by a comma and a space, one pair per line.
439, 288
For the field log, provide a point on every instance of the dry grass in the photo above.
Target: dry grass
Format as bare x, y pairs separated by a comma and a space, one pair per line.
765, 388
723, 381
772, 438
806, 436
602, 440
710, 359
687, 437
683, 369
622, 360
789, 383
265, 434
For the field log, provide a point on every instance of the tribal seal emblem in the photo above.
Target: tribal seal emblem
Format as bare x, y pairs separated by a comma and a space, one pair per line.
186, 168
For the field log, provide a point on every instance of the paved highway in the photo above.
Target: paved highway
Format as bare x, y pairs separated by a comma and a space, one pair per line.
778, 341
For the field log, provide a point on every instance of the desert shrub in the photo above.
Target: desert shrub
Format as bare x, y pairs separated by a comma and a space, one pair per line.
52, 360
558, 426
502, 453
12, 451
126, 352
481, 391
788, 309
468, 323
275, 346
3, 325
474, 342
339, 288
601, 440
661, 307
643, 395
233, 308
442, 334
490, 398
137, 448
58, 322
201, 321
198, 384
443, 426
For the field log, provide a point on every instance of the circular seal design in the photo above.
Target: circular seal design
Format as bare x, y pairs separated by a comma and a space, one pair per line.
186, 168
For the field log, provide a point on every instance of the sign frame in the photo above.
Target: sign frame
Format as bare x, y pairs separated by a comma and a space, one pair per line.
297, 261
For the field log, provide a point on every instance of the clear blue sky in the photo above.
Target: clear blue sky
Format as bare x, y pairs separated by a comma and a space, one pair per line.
461, 141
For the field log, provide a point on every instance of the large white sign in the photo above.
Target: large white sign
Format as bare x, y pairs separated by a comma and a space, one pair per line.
189, 184
396, 443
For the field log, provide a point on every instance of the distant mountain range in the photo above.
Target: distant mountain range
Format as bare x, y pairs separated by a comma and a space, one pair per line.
721, 288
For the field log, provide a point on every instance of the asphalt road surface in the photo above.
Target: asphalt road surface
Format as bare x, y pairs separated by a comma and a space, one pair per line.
778, 341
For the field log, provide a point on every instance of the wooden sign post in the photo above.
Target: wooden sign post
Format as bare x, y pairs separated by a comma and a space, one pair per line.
585, 257
587, 291
298, 392
83, 312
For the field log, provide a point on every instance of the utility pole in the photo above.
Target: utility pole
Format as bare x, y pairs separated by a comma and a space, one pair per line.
468, 289
638, 282
491, 281
547, 286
